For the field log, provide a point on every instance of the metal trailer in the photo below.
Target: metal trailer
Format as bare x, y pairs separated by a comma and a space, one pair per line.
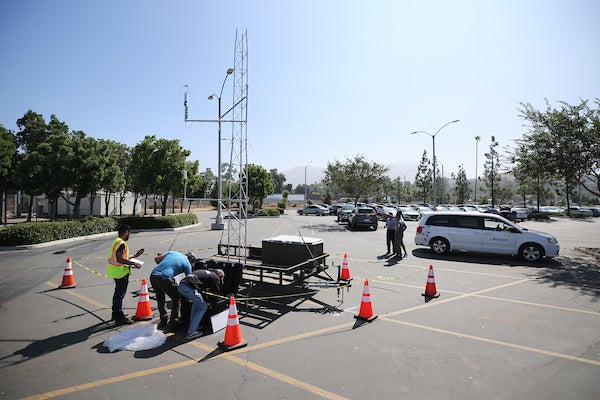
285, 260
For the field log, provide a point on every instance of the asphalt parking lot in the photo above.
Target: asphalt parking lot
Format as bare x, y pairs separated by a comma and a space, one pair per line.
501, 328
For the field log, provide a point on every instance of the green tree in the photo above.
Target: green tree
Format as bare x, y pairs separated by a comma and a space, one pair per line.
462, 189
573, 134
166, 163
356, 177
8, 152
279, 180
140, 172
194, 181
424, 178
30, 173
491, 168
115, 161
86, 169
260, 184
56, 150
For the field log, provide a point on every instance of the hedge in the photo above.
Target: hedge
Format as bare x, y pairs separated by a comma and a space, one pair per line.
42, 232
269, 212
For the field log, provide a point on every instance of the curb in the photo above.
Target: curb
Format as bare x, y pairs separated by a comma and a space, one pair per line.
89, 237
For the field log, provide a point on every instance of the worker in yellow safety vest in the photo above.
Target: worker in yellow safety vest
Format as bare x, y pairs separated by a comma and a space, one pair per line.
119, 264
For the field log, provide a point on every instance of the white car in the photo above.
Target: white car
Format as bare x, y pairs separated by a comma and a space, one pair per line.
483, 233
409, 213
579, 212
519, 213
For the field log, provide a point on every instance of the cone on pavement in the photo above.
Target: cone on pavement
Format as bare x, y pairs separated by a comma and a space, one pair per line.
366, 309
430, 290
144, 312
233, 334
345, 274
68, 280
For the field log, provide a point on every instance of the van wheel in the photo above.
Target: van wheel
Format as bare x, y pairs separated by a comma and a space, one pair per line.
439, 245
531, 252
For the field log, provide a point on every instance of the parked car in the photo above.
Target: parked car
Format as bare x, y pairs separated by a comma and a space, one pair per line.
335, 209
423, 210
519, 214
363, 217
551, 209
409, 213
314, 209
578, 212
384, 211
484, 233
595, 211
345, 212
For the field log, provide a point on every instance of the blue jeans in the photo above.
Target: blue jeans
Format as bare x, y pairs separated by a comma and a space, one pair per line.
199, 307
117, 300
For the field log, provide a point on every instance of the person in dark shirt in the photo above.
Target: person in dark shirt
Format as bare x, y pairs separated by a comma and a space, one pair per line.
169, 264
191, 287
399, 236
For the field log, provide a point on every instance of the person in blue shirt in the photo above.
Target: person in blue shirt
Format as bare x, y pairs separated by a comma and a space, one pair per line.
169, 265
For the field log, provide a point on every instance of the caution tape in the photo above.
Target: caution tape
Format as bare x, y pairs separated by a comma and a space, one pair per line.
259, 298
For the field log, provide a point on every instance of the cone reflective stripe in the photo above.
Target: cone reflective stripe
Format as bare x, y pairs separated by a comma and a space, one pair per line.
366, 309
430, 290
233, 334
68, 279
144, 312
345, 275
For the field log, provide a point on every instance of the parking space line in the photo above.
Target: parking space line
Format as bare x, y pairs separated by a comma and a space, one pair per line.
494, 341
229, 356
459, 297
81, 297
234, 357
529, 303
596, 312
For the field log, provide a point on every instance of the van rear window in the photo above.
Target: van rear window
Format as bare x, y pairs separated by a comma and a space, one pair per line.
439, 220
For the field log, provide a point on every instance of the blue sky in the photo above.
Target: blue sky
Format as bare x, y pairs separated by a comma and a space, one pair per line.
327, 79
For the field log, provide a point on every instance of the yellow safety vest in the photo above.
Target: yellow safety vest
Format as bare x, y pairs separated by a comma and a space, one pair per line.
117, 270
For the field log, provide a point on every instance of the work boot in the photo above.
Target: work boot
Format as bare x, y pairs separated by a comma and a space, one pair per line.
163, 321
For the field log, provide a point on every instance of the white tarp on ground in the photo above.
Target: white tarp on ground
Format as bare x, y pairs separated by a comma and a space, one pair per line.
142, 337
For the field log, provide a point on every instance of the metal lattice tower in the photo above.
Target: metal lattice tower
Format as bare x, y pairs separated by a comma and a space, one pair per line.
237, 203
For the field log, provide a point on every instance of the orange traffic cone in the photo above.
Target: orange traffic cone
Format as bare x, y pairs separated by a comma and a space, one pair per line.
366, 310
430, 290
345, 275
144, 312
233, 334
68, 280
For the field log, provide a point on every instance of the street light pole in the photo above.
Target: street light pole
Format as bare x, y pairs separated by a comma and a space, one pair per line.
218, 224
434, 159
477, 139
305, 186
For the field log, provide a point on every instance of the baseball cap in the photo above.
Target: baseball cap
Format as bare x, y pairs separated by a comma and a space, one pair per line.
191, 256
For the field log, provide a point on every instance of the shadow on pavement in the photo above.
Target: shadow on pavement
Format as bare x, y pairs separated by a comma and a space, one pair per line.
582, 274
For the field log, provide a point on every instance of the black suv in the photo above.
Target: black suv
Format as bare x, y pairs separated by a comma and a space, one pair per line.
363, 217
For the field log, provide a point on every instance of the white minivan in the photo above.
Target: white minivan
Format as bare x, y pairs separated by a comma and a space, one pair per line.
483, 233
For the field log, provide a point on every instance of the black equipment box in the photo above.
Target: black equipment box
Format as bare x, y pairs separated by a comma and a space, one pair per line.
286, 250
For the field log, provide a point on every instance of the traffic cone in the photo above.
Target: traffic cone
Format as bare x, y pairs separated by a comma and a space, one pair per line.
233, 334
143, 312
366, 309
345, 275
68, 280
430, 290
